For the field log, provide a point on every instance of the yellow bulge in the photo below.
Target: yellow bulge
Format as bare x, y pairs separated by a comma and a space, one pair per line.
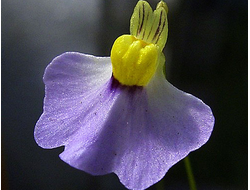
134, 61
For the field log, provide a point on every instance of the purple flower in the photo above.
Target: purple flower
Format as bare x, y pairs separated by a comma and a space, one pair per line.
136, 131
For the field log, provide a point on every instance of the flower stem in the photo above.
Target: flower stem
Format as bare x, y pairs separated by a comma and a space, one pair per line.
190, 175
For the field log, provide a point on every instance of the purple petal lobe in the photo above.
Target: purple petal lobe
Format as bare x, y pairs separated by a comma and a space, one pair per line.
147, 132
72, 83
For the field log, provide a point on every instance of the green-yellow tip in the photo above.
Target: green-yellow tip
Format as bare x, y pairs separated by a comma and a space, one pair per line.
148, 25
162, 4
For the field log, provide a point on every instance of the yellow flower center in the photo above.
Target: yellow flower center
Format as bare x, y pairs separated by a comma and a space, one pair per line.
135, 57
134, 61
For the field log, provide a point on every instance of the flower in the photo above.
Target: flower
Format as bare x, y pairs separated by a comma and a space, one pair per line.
119, 114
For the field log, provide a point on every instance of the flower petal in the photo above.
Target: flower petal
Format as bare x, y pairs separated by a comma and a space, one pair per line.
191, 119
72, 82
148, 130
136, 132
101, 156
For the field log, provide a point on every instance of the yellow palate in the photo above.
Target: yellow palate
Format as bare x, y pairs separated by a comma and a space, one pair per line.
134, 61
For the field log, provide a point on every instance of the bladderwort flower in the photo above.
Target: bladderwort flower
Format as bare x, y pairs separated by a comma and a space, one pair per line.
119, 113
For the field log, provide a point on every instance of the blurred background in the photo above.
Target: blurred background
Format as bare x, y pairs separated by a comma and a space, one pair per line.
206, 56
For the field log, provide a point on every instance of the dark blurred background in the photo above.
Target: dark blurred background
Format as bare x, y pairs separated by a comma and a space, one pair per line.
206, 55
